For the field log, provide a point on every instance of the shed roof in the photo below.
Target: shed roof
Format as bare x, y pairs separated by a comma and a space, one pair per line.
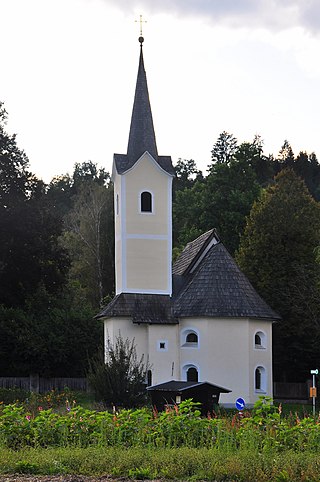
181, 386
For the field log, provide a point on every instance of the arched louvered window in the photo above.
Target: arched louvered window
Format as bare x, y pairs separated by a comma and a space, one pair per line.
146, 202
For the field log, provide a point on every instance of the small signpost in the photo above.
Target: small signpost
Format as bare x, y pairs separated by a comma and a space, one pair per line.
240, 404
313, 390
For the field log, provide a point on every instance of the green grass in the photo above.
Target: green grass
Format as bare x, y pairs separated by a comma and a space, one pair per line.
178, 464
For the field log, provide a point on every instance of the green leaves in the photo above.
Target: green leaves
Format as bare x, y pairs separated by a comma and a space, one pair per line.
119, 378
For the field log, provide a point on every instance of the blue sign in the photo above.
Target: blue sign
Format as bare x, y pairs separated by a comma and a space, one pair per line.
240, 404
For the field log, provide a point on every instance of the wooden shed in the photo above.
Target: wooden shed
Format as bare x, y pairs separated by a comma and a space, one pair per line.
174, 392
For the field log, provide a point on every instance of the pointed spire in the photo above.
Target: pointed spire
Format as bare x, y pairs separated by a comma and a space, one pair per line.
141, 137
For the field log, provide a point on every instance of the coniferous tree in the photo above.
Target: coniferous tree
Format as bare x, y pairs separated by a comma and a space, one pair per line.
278, 254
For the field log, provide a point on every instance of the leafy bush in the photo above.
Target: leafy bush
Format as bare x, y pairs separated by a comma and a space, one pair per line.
119, 377
263, 430
11, 395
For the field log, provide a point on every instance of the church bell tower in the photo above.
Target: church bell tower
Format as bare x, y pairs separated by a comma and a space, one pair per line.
143, 204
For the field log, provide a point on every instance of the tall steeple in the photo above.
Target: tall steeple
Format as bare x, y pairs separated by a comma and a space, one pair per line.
141, 136
143, 204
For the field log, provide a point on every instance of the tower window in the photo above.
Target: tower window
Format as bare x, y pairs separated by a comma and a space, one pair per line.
146, 202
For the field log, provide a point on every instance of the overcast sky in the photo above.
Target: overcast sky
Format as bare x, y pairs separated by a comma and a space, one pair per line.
68, 73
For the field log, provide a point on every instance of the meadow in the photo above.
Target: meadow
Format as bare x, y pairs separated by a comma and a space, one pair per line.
56, 435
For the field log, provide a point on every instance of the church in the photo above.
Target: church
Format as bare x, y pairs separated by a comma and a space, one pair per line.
198, 320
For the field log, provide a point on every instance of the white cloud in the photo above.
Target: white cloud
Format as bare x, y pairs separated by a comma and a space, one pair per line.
270, 14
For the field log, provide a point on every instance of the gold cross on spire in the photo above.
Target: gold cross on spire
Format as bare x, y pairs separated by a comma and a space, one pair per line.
141, 22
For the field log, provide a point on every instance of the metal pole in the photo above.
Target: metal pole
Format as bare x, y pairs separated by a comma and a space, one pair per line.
313, 397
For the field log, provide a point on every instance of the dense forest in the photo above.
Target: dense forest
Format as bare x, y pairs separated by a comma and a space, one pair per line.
57, 249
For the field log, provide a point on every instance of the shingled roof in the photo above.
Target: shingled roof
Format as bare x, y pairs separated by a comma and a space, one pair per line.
191, 252
142, 308
141, 136
217, 288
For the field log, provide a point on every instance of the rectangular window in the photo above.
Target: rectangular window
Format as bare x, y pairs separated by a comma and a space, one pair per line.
162, 345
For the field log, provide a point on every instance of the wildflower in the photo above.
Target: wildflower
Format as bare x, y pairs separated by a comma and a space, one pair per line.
28, 417
40, 409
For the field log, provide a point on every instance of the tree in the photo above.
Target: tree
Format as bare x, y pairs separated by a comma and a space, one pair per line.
224, 149
89, 236
278, 254
186, 214
186, 174
30, 253
15, 179
51, 335
308, 168
228, 194
119, 377
286, 155
252, 153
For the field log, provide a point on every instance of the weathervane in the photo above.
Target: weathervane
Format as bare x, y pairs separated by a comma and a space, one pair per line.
141, 39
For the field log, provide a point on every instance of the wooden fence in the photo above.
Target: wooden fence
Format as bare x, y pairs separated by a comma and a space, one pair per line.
281, 391
291, 391
38, 384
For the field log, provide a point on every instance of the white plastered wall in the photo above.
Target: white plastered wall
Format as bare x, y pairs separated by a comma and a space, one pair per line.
226, 356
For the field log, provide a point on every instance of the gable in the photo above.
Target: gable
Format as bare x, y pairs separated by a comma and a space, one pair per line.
123, 163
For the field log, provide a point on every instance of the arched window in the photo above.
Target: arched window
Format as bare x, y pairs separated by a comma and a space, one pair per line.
260, 340
146, 202
189, 338
260, 382
192, 374
192, 338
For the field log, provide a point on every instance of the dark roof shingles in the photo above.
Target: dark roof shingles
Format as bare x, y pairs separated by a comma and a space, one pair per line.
218, 288
190, 252
142, 308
